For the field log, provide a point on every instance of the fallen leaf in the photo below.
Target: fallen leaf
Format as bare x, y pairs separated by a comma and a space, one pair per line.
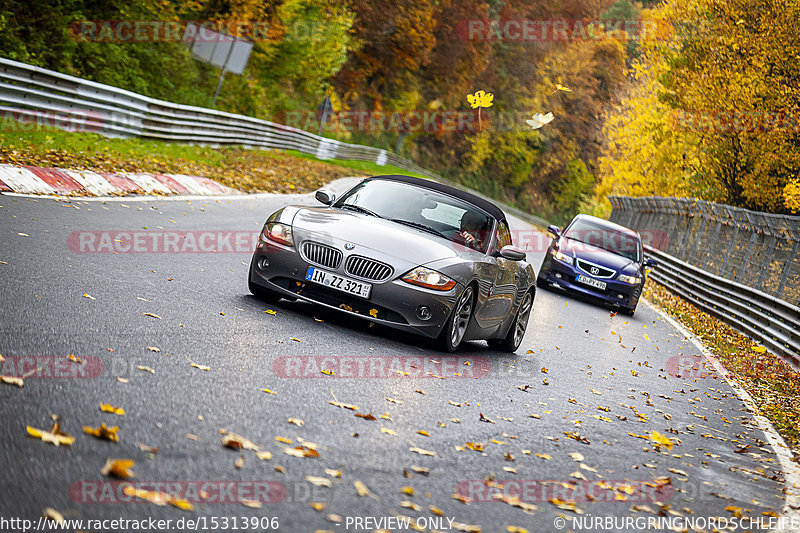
53, 515
154, 348
297, 421
103, 432
269, 391
54, 436
264, 455
421, 451
151, 315
367, 416
118, 468
319, 481
236, 442
343, 405
318, 506
252, 504
11, 380
108, 408
146, 369
157, 498
388, 431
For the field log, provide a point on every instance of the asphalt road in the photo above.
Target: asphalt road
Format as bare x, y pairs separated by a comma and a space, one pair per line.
581, 371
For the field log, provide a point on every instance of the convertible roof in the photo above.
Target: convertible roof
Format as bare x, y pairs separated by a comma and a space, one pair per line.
482, 203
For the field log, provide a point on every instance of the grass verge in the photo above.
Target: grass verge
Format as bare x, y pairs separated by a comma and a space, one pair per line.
239, 168
773, 384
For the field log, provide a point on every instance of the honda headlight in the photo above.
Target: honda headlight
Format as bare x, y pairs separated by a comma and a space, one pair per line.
430, 279
632, 280
280, 233
561, 256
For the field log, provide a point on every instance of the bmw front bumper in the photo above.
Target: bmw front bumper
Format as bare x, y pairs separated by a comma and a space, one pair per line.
393, 302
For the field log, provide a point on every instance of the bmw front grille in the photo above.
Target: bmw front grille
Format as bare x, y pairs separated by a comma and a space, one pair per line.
366, 268
322, 254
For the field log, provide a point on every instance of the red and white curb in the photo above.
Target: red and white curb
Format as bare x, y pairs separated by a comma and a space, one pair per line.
63, 182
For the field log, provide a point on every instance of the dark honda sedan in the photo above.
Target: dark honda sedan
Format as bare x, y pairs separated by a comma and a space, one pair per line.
596, 258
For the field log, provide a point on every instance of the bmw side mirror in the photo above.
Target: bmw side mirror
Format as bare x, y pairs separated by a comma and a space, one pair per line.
650, 262
513, 253
553, 230
324, 197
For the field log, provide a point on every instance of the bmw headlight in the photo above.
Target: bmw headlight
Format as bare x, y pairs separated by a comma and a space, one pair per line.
280, 233
430, 279
561, 256
632, 280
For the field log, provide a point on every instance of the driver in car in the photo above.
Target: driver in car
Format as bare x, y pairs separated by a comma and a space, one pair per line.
472, 229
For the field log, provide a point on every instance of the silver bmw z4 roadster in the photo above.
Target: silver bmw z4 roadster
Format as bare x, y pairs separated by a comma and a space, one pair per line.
407, 253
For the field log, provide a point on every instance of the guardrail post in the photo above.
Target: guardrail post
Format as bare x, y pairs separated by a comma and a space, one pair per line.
767, 261
786, 268
746, 259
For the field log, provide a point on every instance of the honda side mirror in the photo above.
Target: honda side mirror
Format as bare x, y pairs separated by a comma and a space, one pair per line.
553, 230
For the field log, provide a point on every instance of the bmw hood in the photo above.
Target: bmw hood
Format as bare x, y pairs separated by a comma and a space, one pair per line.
595, 255
368, 233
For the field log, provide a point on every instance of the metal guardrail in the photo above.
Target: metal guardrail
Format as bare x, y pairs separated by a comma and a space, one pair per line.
29, 91
756, 249
760, 316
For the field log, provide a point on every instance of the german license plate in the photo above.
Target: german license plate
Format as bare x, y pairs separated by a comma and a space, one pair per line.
335, 281
596, 283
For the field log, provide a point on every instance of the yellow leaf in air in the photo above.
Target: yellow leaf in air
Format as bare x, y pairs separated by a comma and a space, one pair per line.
269, 391
103, 432
328, 372
108, 408
118, 468
373, 313
646, 337
480, 99
295, 339
74, 358
270, 312
89, 296
424, 433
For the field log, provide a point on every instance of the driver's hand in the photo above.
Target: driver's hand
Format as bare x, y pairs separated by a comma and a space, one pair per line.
468, 237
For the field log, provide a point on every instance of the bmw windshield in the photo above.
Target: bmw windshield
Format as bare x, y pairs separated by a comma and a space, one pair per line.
423, 209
